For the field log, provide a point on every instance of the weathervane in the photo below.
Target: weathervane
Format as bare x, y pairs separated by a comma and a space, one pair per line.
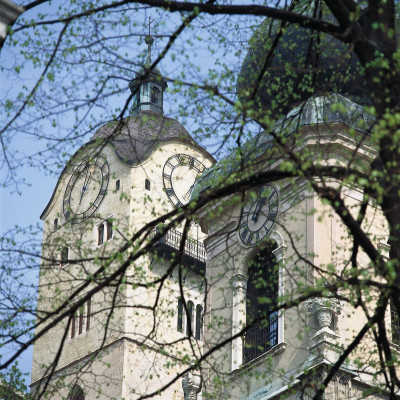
149, 40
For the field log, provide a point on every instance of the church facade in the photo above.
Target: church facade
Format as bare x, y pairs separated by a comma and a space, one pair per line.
219, 307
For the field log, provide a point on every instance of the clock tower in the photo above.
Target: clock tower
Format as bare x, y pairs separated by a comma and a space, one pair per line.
116, 321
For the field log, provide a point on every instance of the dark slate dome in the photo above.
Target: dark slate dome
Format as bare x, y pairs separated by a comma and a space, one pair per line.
135, 138
303, 63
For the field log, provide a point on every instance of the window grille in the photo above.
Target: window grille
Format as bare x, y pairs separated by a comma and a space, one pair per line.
261, 302
259, 339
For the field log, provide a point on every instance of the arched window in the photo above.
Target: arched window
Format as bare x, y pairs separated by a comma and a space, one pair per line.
261, 300
117, 185
100, 234
189, 320
147, 184
199, 321
56, 223
104, 231
64, 256
76, 393
155, 95
109, 229
179, 325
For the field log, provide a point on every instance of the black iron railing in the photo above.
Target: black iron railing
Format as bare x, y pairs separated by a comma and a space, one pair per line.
193, 247
259, 339
395, 327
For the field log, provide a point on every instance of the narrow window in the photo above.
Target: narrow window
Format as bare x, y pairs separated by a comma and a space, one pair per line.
180, 316
199, 319
64, 256
100, 234
73, 325
261, 302
88, 312
189, 322
81, 318
147, 184
155, 95
56, 223
117, 185
109, 229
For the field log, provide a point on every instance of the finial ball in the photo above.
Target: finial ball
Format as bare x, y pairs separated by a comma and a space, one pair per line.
149, 40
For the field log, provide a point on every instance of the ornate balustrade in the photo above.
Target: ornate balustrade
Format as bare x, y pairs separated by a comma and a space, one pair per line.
194, 251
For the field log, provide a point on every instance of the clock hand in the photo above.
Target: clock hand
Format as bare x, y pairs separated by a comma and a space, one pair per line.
84, 187
257, 210
186, 196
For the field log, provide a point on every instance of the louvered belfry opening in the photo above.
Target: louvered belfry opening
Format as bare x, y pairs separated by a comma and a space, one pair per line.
261, 302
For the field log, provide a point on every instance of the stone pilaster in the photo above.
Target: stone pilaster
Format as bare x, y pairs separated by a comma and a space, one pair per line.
239, 287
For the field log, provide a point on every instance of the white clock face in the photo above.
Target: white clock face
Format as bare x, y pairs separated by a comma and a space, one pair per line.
86, 189
179, 175
258, 215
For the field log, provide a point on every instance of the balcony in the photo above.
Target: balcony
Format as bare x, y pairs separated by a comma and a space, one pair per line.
194, 256
259, 339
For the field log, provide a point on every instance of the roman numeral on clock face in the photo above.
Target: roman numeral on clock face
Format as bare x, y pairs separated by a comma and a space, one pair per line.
243, 233
170, 191
167, 177
272, 215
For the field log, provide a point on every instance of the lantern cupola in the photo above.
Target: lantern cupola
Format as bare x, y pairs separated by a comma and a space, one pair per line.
148, 86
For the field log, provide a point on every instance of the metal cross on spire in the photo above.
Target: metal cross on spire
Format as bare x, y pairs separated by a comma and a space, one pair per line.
149, 40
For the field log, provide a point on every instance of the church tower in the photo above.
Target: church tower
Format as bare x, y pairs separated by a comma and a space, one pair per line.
120, 305
278, 257
257, 285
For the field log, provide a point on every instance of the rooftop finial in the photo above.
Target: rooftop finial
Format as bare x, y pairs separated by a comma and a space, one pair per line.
149, 40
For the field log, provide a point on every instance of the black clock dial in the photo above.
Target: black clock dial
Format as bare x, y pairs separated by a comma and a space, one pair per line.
258, 215
179, 175
86, 189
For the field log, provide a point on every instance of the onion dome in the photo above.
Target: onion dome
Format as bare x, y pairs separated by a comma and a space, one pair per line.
290, 67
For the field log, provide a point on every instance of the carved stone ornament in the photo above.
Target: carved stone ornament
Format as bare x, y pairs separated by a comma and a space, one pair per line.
324, 308
191, 385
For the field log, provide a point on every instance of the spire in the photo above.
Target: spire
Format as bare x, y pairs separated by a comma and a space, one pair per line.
148, 86
149, 40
